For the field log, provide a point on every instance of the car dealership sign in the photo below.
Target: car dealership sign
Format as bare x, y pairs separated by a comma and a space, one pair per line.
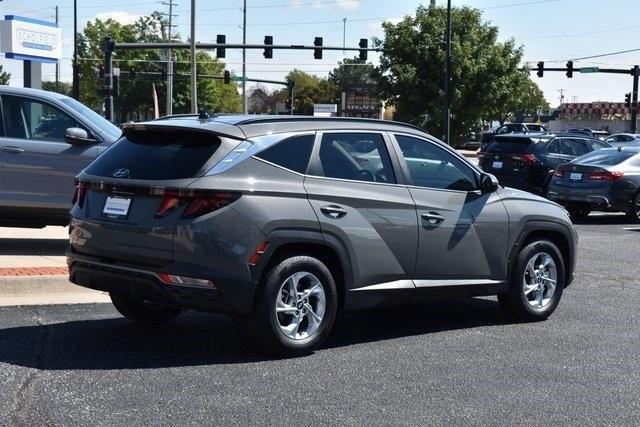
30, 39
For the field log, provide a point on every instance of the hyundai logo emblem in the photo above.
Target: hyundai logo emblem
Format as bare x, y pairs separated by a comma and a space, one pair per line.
120, 173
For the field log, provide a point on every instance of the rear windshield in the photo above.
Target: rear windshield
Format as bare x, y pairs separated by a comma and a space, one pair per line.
606, 157
510, 145
157, 155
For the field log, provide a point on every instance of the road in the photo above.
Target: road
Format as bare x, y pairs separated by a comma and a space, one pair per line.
456, 362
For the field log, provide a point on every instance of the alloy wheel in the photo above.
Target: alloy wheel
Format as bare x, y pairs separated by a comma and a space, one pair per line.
540, 280
300, 305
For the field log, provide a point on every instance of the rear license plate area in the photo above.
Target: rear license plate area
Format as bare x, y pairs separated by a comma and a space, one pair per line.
116, 207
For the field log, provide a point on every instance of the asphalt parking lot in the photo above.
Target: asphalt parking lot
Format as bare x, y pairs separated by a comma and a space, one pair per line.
455, 362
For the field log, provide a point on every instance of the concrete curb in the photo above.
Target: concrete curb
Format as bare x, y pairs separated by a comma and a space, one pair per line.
46, 290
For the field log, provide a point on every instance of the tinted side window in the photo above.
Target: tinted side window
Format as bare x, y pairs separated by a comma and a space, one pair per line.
355, 156
433, 167
30, 119
292, 153
577, 147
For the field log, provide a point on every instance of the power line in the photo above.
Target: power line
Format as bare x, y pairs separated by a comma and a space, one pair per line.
527, 3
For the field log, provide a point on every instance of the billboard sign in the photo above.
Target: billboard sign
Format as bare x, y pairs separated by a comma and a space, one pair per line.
30, 39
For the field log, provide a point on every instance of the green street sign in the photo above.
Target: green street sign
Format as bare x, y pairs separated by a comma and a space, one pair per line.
237, 78
589, 70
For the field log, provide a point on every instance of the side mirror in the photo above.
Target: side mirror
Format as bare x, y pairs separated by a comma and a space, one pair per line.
488, 183
78, 136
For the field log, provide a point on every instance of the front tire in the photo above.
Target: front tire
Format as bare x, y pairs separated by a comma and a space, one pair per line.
296, 307
143, 312
536, 284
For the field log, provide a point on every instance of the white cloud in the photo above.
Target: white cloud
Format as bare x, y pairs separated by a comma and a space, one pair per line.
124, 18
327, 4
376, 27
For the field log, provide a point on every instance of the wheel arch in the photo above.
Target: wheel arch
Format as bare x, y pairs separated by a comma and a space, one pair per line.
286, 243
557, 234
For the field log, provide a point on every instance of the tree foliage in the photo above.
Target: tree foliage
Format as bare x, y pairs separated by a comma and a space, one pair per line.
486, 80
352, 72
135, 96
64, 88
4, 77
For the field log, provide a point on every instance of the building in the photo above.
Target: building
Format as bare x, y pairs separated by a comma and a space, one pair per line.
611, 116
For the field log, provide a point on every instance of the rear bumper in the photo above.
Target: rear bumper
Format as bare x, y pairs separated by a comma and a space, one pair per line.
595, 199
228, 295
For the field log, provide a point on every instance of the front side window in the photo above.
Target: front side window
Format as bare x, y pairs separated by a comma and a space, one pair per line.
355, 156
433, 167
30, 119
292, 153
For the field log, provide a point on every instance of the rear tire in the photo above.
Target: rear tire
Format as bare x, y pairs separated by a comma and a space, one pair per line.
579, 212
143, 312
293, 323
634, 209
536, 283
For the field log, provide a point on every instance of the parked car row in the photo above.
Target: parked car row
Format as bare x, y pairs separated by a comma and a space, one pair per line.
575, 170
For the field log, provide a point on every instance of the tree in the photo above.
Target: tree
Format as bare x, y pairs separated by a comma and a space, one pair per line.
149, 67
63, 87
352, 72
486, 79
4, 77
309, 90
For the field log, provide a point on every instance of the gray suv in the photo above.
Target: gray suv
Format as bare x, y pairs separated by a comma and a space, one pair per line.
45, 140
287, 221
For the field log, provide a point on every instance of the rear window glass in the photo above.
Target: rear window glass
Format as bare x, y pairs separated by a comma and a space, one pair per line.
292, 153
157, 155
606, 157
510, 145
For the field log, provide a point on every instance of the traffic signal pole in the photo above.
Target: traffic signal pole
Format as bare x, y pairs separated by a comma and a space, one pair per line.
634, 99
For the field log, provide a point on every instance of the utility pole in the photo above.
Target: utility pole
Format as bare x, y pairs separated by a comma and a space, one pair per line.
561, 96
76, 77
169, 53
344, 34
244, 57
634, 99
57, 62
194, 79
447, 80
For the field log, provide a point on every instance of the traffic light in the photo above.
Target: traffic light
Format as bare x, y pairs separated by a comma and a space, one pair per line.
132, 73
627, 100
268, 52
540, 69
364, 43
227, 77
288, 104
317, 53
101, 71
570, 69
221, 51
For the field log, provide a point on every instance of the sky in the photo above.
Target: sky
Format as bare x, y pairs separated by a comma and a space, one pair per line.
548, 30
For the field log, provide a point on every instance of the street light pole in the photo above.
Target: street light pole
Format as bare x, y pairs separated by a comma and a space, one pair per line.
76, 77
447, 80
194, 80
344, 33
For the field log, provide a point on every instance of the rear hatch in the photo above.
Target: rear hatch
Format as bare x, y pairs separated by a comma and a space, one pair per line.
507, 156
129, 200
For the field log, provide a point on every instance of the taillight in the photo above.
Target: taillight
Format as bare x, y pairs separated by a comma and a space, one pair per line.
80, 193
197, 203
559, 172
605, 176
528, 159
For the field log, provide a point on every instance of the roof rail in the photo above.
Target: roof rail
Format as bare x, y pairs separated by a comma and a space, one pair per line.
284, 118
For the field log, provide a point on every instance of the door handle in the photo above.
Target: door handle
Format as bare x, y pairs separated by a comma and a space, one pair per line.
432, 218
333, 211
12, 150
